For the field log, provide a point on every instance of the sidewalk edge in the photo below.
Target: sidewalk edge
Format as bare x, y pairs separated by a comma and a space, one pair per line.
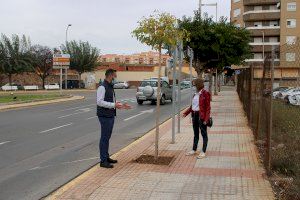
52, 195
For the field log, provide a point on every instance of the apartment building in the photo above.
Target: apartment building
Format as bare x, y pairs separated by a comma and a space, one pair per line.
272, 23
148, 58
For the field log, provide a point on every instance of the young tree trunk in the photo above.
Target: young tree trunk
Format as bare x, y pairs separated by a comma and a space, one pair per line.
219, 82
158, 107
43, 81
210, 83
10, 80
216, 82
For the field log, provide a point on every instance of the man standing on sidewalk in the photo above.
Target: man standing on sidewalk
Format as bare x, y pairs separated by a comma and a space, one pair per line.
106, 112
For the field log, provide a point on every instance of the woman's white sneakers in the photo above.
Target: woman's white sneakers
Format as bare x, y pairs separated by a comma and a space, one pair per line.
201, 155
190, 153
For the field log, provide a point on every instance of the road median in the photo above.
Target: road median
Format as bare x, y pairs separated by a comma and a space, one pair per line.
39, 102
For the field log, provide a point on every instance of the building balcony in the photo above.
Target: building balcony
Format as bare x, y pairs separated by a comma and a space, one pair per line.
259, 2
268, 30
261, 15
259, 60
267, 48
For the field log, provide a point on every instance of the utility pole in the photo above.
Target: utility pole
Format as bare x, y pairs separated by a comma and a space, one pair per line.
174, 64
200, 7
191, 55
180, 55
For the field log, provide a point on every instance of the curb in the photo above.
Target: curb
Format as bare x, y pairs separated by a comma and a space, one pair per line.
30, 104
86, 173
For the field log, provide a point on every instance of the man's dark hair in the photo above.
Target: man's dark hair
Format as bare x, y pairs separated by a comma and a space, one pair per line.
110, 72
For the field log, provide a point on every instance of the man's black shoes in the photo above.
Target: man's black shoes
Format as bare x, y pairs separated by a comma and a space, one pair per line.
106, 165
112, 161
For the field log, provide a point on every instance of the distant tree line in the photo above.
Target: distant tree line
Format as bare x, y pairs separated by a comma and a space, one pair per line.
17, 56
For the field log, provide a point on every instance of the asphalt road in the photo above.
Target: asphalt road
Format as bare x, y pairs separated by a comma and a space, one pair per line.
43, 147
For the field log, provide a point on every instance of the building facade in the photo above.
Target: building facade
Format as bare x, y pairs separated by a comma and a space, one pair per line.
272, 24
144, 58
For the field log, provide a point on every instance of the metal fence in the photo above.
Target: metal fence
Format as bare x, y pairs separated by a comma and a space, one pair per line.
274, 119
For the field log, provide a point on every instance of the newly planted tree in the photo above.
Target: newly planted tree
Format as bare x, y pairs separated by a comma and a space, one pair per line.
15, 55
158, 31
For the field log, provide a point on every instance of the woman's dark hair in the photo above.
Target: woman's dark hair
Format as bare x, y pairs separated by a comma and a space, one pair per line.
199, 84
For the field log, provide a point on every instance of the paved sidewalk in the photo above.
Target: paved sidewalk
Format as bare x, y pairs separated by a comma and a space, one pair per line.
230, 171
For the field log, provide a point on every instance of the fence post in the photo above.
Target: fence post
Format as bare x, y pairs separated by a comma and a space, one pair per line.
250, 95
269, 133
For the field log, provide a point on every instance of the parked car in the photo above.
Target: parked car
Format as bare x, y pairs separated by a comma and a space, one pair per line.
53, 86
163, 78
276, 91
294, 99
282, 95
12, 87
147, 91
185, 85
121, 85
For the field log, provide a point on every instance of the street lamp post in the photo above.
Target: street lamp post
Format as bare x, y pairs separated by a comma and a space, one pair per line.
66, 70
208, 4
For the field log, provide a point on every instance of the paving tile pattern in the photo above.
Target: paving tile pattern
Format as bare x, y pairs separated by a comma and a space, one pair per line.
231, 170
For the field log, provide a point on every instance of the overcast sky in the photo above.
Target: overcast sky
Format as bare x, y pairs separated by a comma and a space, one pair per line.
105, 24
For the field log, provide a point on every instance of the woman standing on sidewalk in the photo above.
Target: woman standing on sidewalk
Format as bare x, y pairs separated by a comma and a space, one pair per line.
200, 110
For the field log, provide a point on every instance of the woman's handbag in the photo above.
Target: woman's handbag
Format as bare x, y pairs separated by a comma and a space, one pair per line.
210, 122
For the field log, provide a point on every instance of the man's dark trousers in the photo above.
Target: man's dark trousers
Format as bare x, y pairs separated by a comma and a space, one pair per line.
107, 125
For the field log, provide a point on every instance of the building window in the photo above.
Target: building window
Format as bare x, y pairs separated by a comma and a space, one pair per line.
236, 12
291, 6
273, 7
257, 24
258, 40
291, 40
127, 60
141, 60
103, 59
258, 56
291, 23
274, 23
290, 57
235, 1
257, 7
117, 60
273, 39
151, 61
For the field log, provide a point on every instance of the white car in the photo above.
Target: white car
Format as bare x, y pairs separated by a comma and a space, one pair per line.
276, 91
121, 85
294, 99
54, 86
282, 95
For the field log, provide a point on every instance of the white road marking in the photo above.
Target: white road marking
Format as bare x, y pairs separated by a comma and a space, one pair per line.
64, 163
141, 113
77, 107
76, 113
91, 118
1, 143
52, 129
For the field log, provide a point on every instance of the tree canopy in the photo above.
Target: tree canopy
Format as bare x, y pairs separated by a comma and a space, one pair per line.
14, 54
83, 56
42, 61
215, 45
